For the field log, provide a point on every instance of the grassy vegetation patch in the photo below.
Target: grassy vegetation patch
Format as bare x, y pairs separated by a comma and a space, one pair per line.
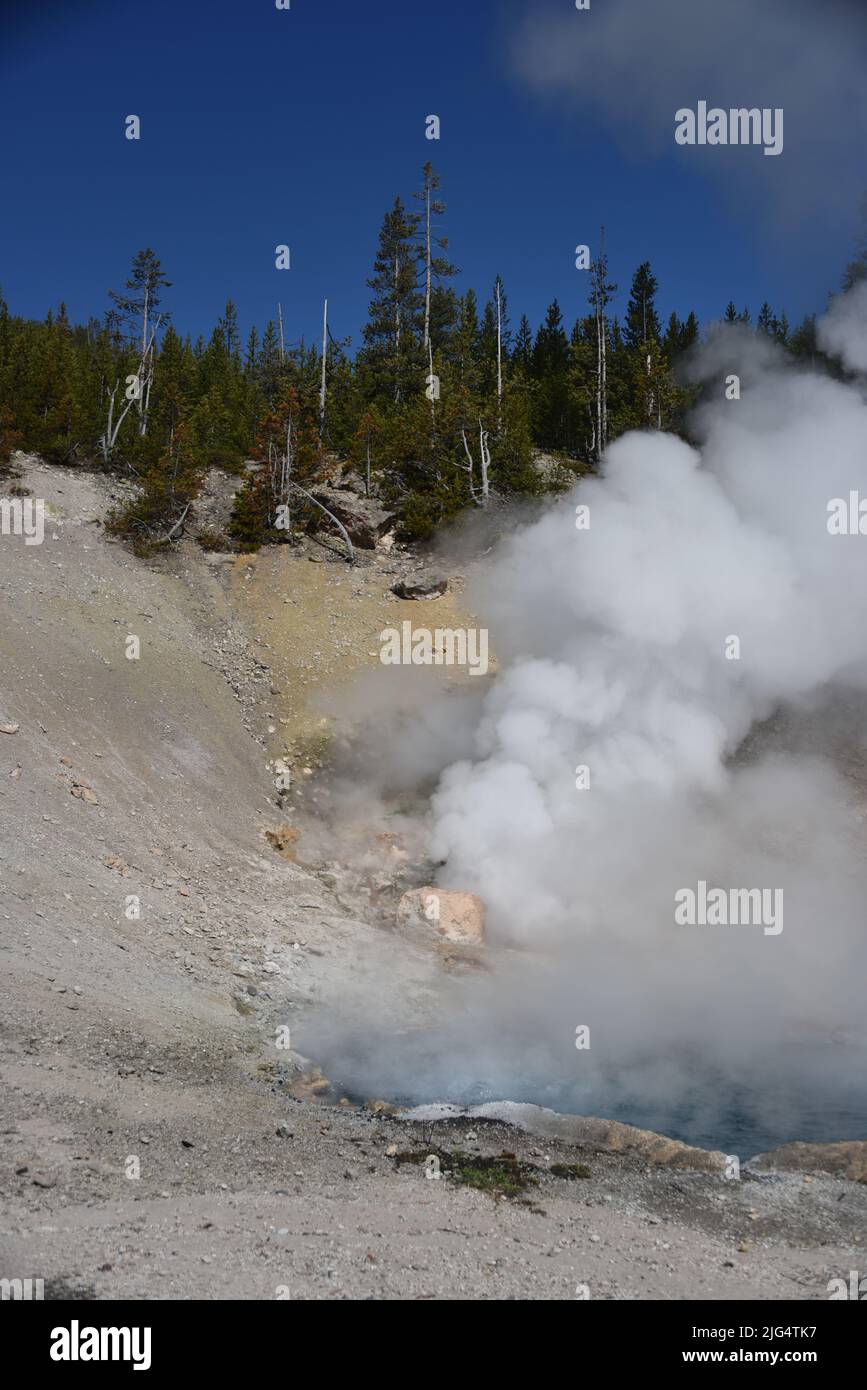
572, 1171
502, 1175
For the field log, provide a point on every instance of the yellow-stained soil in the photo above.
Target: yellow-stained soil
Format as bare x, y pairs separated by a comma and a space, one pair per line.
319, 621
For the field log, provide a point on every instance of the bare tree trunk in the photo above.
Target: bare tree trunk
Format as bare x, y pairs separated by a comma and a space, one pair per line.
272, 479
485, 455
484, 465
597, 431
144, 352
499, 359
109, 438
427, 297
144, 399
468, 466
146, 375
600, 291
104, 445
396, 330
280, 321
287, 464
179, 524
339, 524
322, 389
603, 426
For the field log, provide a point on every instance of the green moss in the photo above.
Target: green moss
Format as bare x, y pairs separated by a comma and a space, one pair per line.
503, 1176
570, 1170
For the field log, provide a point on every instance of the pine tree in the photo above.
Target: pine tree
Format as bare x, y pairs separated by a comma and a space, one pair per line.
288, 453
804, 342
494, 343
137, 312
522, 354
227, 328
689, 333
269, 368
856, 270
251, 355
138, 308
435, 268
466, 353
550, 370
646, 368
671, 339
642, 320
10, 435
765, 321
393, 335
365, 446
651, 390
156, 515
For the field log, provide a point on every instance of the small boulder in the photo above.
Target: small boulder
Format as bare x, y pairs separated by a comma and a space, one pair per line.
84, 792
421, 586
456, 916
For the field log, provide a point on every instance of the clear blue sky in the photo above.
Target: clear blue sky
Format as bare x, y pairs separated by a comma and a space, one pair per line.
262, 126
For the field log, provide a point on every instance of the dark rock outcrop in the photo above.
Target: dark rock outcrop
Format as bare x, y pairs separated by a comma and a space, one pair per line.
365, 520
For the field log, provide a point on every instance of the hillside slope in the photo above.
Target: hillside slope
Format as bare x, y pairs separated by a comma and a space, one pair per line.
153, 1039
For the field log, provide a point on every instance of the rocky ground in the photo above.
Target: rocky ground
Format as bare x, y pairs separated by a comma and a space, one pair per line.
160, 1134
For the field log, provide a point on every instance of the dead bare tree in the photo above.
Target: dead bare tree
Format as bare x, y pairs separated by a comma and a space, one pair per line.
433, 387
482, 496
145, 284
139, 385
179, 524
600, 297
499, 356
146, 375
469, 466
485, 457
108, 438
322, 389
339, 524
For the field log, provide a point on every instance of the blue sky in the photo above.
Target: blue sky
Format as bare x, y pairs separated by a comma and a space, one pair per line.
262, 127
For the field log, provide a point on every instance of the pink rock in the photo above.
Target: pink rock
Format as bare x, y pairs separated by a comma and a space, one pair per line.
456, 916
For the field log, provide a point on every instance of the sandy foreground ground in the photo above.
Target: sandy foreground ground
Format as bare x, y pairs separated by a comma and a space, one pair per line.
155, 1142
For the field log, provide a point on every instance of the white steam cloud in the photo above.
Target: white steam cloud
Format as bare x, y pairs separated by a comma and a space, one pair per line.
842, 331
747, 774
